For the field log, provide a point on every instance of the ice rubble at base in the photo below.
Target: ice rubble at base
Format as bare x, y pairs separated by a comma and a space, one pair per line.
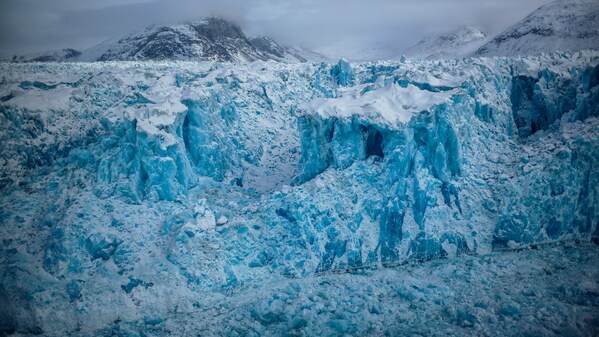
172, 180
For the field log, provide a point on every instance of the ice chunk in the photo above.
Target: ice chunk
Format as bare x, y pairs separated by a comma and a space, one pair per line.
343, 73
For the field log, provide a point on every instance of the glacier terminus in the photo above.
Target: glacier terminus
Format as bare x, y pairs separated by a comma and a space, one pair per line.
184, 183
261, 191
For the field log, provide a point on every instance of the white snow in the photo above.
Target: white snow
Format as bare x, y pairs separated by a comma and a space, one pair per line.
390, 105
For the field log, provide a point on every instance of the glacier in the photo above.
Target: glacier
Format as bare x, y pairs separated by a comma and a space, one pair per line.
156, 198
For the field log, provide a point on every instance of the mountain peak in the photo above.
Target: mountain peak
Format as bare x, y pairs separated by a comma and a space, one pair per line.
206, 39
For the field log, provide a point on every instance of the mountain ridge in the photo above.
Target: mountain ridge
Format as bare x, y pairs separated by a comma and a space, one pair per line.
207, 39
562, 25
210, 39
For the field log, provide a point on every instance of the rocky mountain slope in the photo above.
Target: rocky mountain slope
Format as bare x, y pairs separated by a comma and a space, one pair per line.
210, 39
564, 25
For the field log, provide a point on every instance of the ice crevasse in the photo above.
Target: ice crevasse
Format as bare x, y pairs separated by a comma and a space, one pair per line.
202, 176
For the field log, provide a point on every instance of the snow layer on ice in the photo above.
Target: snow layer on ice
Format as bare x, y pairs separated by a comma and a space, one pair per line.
389, 106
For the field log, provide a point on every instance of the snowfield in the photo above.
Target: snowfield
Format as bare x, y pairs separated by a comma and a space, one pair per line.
394, 198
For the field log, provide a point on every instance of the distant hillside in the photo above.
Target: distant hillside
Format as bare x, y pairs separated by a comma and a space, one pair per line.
209, 39
61, 55
457, 43
564, 25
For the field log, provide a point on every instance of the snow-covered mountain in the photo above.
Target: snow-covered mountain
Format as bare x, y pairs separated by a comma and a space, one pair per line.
61, 55
457, 43
564, 25
210, 39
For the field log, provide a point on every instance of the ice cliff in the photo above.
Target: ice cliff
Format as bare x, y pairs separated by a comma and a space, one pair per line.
132, 192
495, 159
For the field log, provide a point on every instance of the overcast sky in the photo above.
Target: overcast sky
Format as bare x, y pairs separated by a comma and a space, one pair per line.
336, 27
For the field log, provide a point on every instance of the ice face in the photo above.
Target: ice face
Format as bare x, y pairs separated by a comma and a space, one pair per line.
129, 185
434, 188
